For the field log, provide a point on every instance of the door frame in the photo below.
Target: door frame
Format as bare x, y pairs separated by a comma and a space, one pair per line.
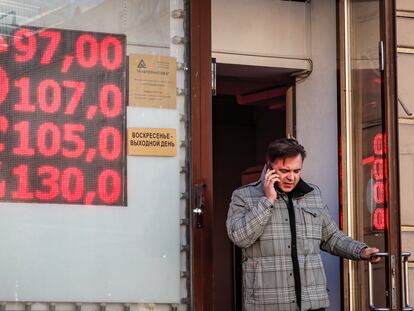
390, 127
201, 152
389, 86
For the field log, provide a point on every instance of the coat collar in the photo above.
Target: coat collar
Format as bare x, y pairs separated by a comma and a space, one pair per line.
301, 189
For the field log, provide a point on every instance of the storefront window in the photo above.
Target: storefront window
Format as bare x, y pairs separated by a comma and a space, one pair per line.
369, 147
93, 112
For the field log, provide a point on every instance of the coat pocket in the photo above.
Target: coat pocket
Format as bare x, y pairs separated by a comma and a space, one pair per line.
313, 223
252, 275
314, 282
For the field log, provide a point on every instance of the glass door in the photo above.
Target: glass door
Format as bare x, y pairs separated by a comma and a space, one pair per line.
369, 158
368, 144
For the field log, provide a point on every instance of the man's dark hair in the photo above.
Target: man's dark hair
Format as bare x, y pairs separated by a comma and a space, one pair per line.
283, 148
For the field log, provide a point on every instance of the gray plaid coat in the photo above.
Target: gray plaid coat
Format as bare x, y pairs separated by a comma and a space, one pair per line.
263, 232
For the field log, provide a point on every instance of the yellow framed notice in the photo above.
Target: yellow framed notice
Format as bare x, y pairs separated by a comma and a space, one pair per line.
152, 81
152, 142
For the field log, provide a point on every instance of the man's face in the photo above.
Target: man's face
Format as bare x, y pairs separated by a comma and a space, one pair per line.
289, 170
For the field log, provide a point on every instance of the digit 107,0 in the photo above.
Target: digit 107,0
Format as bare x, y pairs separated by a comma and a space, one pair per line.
68, 183
50, 93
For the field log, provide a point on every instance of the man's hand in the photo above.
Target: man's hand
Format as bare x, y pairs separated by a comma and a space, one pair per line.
269, 181
368, 254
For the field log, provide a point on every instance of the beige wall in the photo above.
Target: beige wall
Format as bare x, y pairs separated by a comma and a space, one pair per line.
270, 33
405, 5
316, 118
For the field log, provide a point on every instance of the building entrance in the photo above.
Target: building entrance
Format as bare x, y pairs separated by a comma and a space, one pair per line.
249, 111
368, 160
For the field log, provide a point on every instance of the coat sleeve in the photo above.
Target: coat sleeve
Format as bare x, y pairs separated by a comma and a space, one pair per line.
245, 224
336, 242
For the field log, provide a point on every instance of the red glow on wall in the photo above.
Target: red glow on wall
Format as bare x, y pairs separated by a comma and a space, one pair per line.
378, 218
378, 190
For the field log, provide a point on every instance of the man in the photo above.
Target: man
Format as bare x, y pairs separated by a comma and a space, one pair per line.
281, 223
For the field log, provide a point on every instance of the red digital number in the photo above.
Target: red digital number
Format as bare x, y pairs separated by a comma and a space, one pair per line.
114, 44
51, 181
46, 121
378, 144
49, 95
110, 143
87, 51
4, 46
4, 85
72, 184
378, 192
49, 90
2, 186
24, 104
4, 124
378, 169
379, 218
25, 44
54, 38
50, 130
22, 192
71, 134
49, 140
109, 186
110, 93
23, 128
78, 90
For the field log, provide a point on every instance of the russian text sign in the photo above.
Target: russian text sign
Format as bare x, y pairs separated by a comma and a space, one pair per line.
152, 142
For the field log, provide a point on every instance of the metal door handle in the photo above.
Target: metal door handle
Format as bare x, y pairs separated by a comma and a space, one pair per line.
381, 55
198, 210
406, 300
370, 285
406, 287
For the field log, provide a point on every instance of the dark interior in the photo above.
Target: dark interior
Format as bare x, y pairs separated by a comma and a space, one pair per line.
240, 136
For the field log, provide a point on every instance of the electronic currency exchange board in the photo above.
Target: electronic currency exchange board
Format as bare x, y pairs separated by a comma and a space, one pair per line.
62, 117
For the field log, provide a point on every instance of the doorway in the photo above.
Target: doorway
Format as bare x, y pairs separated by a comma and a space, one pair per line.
208, 277
249, 111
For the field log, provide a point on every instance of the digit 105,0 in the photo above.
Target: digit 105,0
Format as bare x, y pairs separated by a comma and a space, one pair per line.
49, 140
68, 183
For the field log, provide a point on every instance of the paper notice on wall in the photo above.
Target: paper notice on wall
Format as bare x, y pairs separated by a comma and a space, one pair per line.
152, 142
152, 81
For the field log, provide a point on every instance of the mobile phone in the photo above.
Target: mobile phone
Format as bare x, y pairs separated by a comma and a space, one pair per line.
276, 184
